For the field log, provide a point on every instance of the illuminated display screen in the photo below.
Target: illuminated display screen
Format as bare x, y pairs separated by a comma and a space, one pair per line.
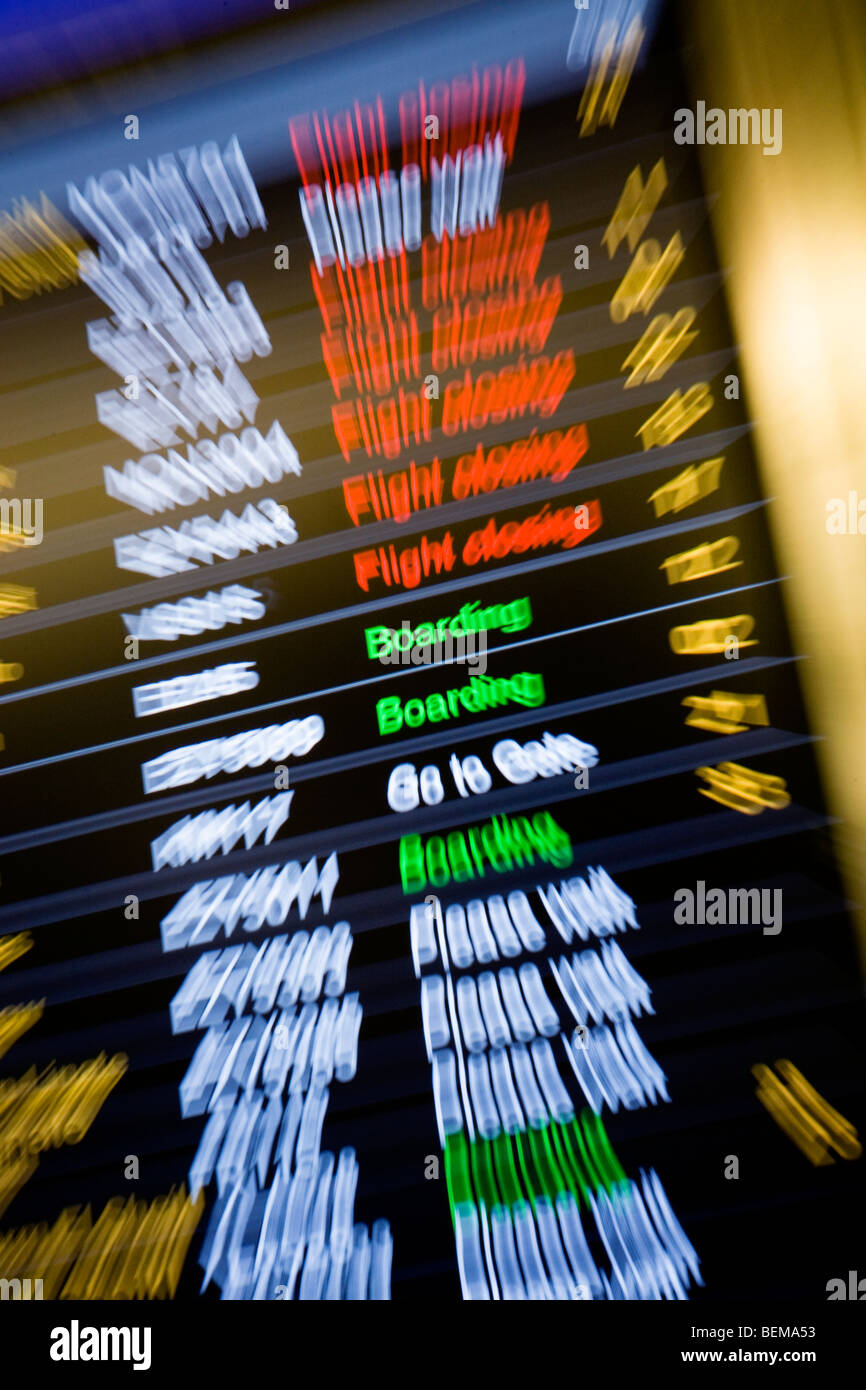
413, 828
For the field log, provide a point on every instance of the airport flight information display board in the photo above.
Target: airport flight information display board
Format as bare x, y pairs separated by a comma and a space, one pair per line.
414, 859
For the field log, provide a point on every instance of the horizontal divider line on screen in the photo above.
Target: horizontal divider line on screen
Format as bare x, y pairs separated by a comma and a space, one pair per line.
307, 771
391, 674
590, 403
145, 963
698, 287
386, 999
387, 829
169, 586
405, 597
579, 404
